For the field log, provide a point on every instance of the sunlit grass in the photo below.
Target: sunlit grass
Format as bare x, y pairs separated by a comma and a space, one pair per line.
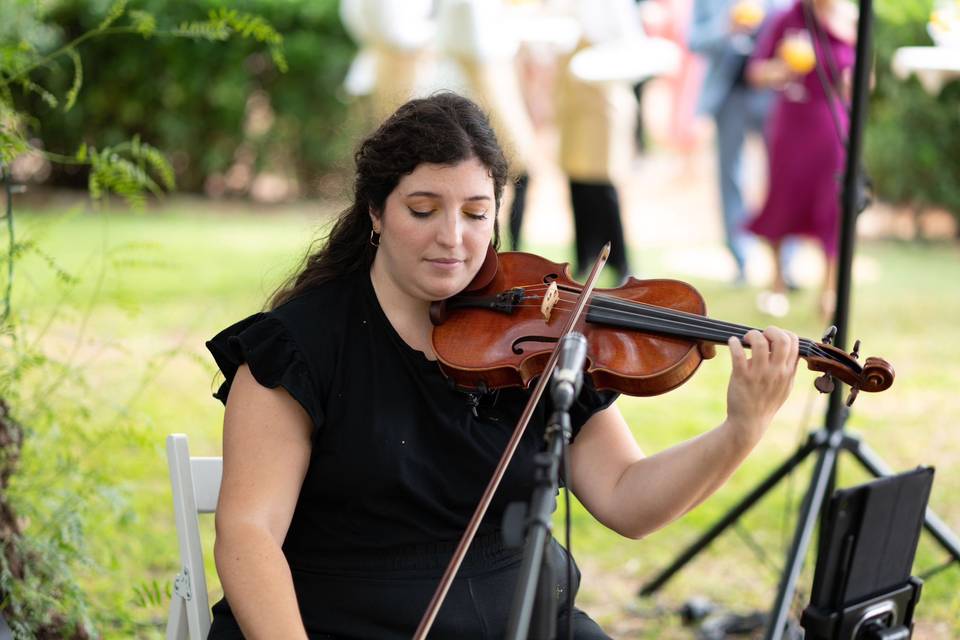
151, 288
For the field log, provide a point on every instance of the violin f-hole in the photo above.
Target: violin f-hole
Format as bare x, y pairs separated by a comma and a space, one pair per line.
517, 349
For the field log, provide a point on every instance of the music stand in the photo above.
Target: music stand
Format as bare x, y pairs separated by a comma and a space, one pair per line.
862, 586
826, 443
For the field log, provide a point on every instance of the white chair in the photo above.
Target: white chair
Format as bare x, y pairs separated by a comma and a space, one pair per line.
196, 486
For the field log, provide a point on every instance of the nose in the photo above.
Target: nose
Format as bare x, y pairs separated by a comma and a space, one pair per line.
450, 231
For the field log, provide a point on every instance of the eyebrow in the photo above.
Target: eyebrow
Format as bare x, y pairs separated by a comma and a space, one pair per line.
431, 194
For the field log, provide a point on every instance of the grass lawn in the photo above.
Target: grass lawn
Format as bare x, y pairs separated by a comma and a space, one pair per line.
151, 288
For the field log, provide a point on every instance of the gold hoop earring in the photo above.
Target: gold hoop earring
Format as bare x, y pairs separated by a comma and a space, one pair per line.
374, 238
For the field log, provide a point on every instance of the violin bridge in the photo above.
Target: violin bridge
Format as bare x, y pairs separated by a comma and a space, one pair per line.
550, 298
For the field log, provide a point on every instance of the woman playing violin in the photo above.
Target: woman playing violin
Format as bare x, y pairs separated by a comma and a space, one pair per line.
351, 465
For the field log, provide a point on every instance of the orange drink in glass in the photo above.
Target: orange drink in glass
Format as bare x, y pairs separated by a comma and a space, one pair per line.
796, 50
747, 14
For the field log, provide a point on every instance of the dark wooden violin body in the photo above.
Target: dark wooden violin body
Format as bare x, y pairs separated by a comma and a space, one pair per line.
645, 337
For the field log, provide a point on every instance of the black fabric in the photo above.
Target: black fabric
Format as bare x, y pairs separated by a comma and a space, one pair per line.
596, 221
399, 458
517, 208
740, 80
389, 605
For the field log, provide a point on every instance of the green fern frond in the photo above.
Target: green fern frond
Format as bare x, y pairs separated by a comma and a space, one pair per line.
155, 160
202, 31
222, 22
30, 247
12, 144
30, 86
150, 159
116, 10
112, 173
253, 26
77, 79
143, 22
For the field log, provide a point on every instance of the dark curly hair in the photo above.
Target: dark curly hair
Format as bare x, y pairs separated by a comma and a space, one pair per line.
444, 128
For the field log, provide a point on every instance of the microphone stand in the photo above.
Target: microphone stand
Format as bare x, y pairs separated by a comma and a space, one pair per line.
534, 591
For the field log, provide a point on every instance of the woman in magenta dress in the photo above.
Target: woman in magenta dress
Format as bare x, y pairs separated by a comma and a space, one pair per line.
808, 44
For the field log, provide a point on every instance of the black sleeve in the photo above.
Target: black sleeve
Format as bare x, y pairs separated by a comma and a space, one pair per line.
589, 402
264, 344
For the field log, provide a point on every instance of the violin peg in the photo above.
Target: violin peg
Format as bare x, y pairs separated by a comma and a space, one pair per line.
824, 383
855, 354
829, 335
853, 395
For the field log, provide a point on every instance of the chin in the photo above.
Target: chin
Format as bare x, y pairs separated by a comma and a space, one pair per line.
443, 288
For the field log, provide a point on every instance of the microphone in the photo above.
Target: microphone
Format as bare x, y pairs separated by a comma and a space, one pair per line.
568, 375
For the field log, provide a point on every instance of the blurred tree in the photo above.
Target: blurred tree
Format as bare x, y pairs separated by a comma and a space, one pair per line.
211, 106
912, 146
41, 528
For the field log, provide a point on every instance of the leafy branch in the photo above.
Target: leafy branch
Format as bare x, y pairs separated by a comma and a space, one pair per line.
133, 168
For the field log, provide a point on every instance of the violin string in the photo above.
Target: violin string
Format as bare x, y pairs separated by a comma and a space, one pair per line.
678, 320
628, 305
693, 320
807, 348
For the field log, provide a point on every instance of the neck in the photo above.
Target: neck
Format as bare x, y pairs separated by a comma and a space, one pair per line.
409, 316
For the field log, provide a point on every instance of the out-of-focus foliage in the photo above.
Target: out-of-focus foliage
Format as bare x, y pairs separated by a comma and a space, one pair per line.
208, 105
912, 146
44, 112
65, 499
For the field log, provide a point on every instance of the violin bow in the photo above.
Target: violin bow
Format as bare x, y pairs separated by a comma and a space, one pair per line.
467, 538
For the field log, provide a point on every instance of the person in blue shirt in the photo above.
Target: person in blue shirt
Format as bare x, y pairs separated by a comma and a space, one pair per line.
723, 33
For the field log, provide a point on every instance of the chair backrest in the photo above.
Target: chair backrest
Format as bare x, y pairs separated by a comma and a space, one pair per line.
196, 487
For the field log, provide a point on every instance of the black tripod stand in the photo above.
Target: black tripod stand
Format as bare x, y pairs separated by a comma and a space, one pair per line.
829, 441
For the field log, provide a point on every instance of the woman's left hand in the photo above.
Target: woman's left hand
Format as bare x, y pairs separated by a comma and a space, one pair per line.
760, 384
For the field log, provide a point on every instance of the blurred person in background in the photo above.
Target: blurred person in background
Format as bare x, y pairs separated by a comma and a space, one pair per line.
393, 37
806, 54
670, 19
724, 33
596, 122
481, 37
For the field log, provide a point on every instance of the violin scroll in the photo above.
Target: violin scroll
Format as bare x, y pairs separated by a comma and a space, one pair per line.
875, 374
878, 375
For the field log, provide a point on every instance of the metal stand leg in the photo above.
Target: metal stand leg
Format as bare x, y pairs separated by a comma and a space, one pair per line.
809, 514
813, 442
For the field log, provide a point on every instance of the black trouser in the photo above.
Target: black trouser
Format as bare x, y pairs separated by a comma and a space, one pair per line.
596, 221
386, 604
516, 210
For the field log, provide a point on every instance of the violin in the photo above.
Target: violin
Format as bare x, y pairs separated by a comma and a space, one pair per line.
645, 338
